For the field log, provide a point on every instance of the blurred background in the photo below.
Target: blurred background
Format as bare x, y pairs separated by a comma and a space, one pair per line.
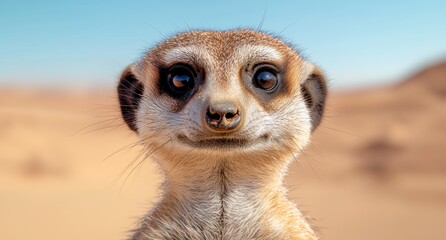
69, 168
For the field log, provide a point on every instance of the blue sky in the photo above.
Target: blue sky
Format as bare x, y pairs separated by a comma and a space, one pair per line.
88, 43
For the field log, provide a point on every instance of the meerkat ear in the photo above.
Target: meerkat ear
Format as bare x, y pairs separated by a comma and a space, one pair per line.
130, 91
314, 92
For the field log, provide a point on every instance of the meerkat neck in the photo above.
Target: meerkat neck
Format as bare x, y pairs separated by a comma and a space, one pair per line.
225, 176
222, 186
216, 196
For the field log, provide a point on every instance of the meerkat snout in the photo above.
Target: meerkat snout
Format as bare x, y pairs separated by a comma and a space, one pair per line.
223, 116
223, 113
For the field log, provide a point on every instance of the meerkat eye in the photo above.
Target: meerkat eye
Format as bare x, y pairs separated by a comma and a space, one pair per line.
180, 79
266, 79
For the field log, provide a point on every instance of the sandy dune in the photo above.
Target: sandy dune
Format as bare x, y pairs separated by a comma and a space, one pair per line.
376, 168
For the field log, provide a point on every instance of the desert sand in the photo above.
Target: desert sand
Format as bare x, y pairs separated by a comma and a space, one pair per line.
376, 169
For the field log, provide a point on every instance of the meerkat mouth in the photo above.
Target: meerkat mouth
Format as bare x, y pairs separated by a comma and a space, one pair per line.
223, 142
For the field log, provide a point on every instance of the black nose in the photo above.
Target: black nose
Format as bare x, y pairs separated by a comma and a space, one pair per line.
223, 116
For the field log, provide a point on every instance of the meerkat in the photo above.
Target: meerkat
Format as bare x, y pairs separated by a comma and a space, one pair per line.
224, 113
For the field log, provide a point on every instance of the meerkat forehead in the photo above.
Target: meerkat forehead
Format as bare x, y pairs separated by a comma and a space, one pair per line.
222, 43
234, 46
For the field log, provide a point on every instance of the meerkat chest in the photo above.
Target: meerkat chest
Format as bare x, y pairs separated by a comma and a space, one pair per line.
235, 213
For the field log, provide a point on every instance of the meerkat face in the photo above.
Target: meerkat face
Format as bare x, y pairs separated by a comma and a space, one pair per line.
228, 92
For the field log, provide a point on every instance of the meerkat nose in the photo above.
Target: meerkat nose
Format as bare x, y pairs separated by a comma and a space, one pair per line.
223, 116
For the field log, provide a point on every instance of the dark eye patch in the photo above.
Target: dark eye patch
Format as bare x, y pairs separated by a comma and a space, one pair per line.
265, 81
179, 81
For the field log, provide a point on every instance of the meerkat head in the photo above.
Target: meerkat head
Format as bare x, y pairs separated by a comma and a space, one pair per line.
222, 94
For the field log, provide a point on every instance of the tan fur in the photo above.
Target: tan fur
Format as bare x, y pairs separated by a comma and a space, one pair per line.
218, 193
